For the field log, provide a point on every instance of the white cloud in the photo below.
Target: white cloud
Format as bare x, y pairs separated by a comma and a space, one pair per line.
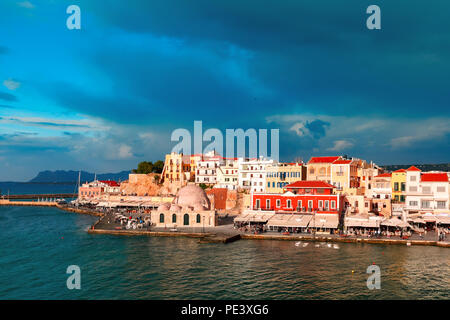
11, 84
26, 4
340, 145
125, 152
300, 129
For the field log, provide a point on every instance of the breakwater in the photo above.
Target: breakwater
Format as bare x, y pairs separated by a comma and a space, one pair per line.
28, 203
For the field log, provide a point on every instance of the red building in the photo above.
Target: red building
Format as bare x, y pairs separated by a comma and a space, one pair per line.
301, 196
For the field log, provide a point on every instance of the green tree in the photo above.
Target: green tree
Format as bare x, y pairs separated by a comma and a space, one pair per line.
158, 166
146, 167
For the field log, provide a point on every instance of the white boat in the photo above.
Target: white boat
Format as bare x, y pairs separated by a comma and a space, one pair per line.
298, 243
305, 244
335, 246
317, 245
329, 245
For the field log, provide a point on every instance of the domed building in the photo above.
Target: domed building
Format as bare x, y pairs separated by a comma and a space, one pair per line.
190, 208
193, 196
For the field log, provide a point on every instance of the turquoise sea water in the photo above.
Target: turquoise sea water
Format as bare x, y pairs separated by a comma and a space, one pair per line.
38, 244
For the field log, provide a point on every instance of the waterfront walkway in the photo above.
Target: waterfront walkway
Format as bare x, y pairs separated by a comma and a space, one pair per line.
227, 233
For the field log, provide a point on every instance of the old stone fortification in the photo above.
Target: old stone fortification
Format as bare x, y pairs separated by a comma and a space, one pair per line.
141, 185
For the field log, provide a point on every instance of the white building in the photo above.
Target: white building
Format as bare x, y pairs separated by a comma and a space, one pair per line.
253, 174
426, 192
228, 174
207, 168
381, 186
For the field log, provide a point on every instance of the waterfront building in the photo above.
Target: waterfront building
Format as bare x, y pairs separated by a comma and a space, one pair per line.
206, 172
279, 175
190, 208
382, 186
228, 174
398, 185
427, 192
301, 196
306, 206
319, 168
344, 175
95, 189
253, 174
366, 174
177, 168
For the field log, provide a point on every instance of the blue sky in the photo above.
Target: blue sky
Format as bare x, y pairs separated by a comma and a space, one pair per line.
109, 95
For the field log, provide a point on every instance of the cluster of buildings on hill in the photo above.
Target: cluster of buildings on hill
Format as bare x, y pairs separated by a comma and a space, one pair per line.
338, 191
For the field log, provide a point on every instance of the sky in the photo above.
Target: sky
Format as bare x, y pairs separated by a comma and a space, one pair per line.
107, 96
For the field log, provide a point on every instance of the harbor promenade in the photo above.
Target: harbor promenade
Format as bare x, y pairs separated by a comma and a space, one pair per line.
227, 233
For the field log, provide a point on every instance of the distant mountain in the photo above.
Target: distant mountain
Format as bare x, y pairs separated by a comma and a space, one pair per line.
423, 167
63, 176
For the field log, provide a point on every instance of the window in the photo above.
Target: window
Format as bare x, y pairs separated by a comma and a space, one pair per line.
289, 203
258, 203
440, 204
161, 218
395, 186
267, 203
412, 178
413, 189
299, 204
413, 203
440, 189
278, 203
186, 219
333, 204
198, 218
327, 204
403, 186
320, 204
310, 205
426, 204
426, 189
174, 218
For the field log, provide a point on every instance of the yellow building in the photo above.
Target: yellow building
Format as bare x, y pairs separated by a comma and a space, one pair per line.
344, 176
398, 185
281, 174
177, 168
319, 168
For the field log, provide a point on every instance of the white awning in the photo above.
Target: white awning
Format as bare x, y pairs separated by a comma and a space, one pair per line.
330, 221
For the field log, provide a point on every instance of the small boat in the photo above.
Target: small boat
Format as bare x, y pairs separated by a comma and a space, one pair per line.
298, 243
305, 244
329, 245
317, 245
335, 246
408, 243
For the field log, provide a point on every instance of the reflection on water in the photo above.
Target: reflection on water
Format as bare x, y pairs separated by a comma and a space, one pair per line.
39, 243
